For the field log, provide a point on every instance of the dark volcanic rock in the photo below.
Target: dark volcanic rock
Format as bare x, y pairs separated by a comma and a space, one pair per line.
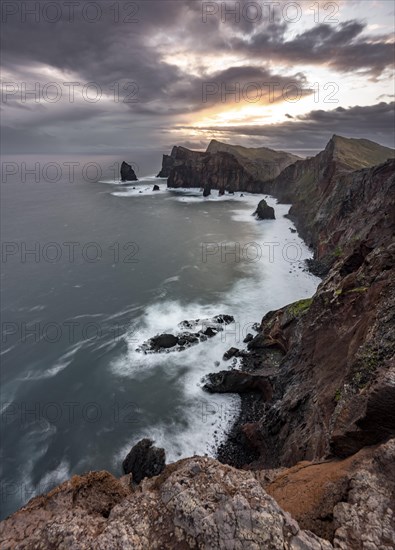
144, 460
191, 332
220, 171
234, 381
127, 172
335, 392
264, 211
164, 341
156, 188
225, 167
167, 164
232, 352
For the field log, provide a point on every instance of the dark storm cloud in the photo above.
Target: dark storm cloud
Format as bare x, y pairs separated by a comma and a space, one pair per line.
375, 122
341, 48
105, 51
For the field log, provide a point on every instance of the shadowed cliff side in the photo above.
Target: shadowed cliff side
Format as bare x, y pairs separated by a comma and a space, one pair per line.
334, 390
224, 167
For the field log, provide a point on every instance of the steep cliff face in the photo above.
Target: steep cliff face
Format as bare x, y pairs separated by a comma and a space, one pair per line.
220, 171
224, 166
315, 186
333, 391
262, 163
167, 163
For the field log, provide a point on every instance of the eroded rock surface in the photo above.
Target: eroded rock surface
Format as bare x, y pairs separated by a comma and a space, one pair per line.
196, 503
199, 330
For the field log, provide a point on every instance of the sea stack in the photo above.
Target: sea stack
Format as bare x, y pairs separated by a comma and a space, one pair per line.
127, 172
264, 211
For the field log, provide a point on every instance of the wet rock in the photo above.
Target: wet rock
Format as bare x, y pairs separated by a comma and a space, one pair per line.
127, 172
206, 191
164, 341
264, 211
234, 381
248, 338
232, 352
199, 330
144, 460
156, 188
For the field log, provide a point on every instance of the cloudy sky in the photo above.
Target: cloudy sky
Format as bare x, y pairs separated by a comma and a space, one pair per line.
137, 77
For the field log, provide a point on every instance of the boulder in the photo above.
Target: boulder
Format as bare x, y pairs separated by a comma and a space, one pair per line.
144, 460
127, 172
232, 352
264, 211
189, 333
164, 341
234, 381
156, 188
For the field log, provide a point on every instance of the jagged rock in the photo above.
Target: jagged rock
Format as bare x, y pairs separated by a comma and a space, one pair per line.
156, 188
264, 211
234, 381
165, 341
196, 503
127, 172
322, 188
204, 328
248, 338
232, 352
224, 167
345, 501
144, 460
336, 372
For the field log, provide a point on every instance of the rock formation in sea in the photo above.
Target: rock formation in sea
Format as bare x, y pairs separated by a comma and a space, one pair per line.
127, 173
264, 211
224, 167
309, 463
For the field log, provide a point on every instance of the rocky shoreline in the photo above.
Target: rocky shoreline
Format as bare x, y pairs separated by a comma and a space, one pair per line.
308, 463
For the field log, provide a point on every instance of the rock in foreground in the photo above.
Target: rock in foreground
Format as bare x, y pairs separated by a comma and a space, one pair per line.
144, 460
196, 503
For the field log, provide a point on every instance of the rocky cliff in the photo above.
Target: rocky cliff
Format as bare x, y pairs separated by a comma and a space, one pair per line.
317, 185
315, 438
224, 167
199, 503
262, 163
220, 171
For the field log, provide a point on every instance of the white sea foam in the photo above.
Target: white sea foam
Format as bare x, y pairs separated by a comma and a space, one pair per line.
272, 281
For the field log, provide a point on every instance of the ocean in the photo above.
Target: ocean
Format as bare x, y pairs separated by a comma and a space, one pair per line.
91, 269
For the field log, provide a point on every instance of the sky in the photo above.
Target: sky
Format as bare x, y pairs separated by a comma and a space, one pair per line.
134, 78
